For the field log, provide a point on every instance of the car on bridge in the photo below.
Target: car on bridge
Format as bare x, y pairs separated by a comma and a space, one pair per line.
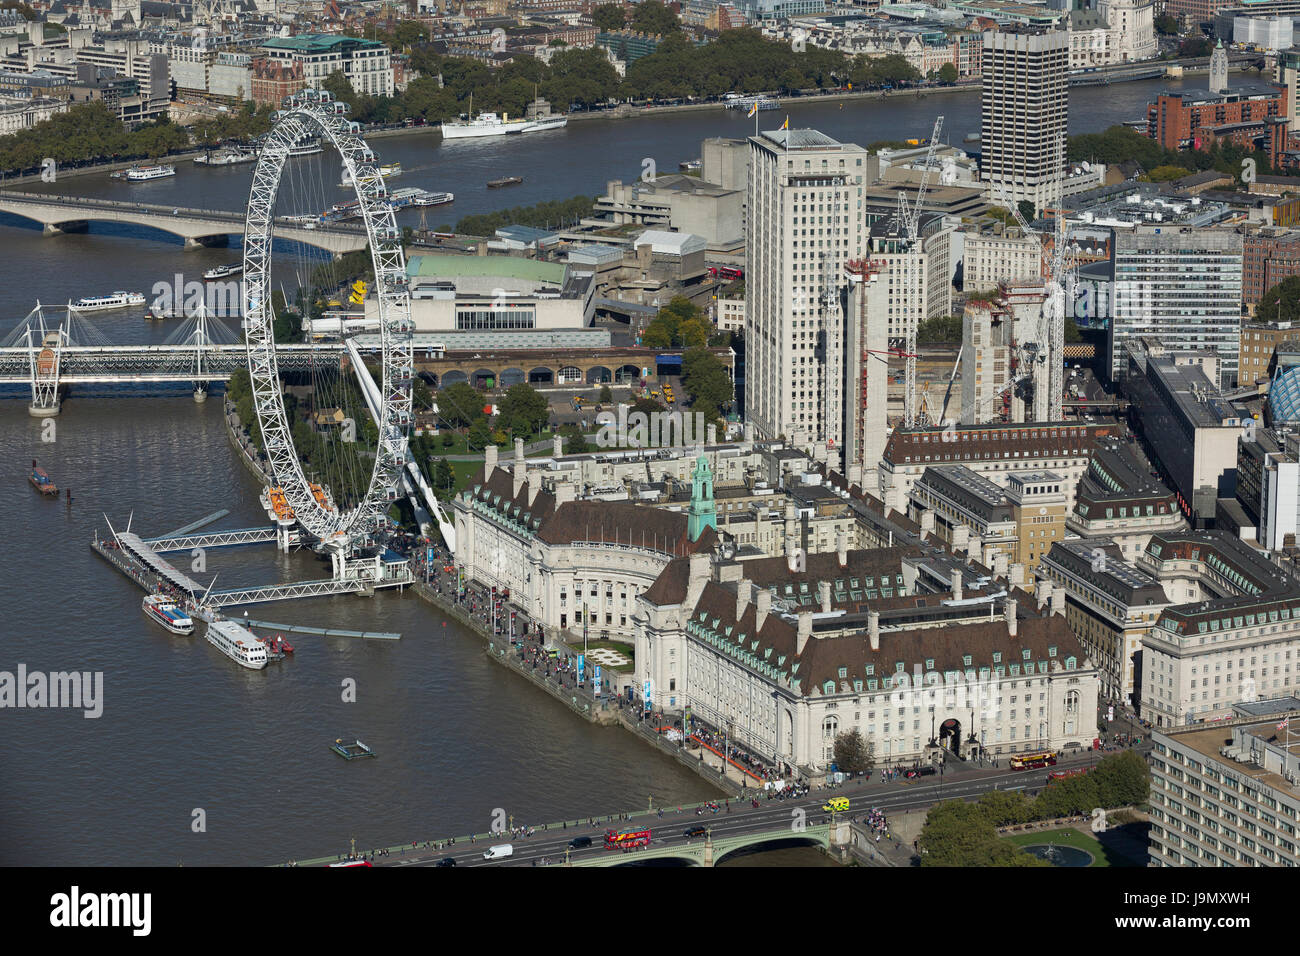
838, 804
695, 831
580, 843
926, 771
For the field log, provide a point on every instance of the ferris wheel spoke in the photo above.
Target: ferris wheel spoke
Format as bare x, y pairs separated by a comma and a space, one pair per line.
315, 113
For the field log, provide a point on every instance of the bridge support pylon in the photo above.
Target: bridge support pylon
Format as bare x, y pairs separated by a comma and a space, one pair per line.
708, 849
56, 228
207, 242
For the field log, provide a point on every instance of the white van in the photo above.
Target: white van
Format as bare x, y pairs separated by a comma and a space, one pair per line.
499, 852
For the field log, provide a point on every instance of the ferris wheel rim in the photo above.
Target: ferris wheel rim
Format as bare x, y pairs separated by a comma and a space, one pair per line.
313, 112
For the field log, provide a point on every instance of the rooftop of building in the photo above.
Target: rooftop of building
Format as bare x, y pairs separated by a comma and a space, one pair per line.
1197, 399
1115, 476
1243, 91
1100, 562
451, 266
992, 441
800, 139
318, 43
969, 490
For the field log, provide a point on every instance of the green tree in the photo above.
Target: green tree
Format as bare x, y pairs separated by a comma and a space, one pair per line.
1165, 174
606, 396
654, 17
853, 753
1167, 25
1004, 807
707, 381
960, 834
480, 435
947, 73
940, 329
1027, 210
1281, 302
523, 411
460, 405
608, 17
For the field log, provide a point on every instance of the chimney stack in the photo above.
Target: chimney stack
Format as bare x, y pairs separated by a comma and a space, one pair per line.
805, 631
743, 591
956, 584
697, 576
557, 446
873, 629
489, 460
521, 466
842, 548
824, 592
762, 605
1011, 616
792, 555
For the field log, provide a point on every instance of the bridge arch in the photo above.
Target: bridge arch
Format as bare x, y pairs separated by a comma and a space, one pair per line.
453, 377
627, 373
569, 375
484, 378
541, 376
598, 375
762, 843
512, 376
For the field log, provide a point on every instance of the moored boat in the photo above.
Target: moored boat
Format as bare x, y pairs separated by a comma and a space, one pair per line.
163, 610
101, 303
42, 481
143, 174
221, 272
238, 643
504, 181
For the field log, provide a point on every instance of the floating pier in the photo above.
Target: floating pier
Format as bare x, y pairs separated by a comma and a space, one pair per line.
351, 751
325, 631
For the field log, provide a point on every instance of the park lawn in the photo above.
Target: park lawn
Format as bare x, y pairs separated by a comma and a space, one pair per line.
1071, 837
459, 445
575, 647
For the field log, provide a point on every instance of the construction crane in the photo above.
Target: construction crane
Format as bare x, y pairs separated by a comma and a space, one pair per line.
909, 220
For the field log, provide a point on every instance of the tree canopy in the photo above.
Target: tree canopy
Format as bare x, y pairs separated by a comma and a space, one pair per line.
706, 378
1281, 302
679, 324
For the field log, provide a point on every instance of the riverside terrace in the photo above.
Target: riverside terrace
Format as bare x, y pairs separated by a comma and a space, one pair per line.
787, 666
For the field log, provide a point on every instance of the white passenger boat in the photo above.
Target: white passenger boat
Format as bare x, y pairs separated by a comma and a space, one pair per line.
163, 610
101, 303
238, 643
143, 174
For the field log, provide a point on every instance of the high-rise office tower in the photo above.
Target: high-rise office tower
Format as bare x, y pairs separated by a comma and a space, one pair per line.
1025, 106
1182, 285
805, 223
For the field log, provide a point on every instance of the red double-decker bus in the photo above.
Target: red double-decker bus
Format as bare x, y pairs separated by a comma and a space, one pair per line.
628, 838
1046, 758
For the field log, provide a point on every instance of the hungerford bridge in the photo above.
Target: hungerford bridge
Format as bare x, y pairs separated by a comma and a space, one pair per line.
198, 227
46, 358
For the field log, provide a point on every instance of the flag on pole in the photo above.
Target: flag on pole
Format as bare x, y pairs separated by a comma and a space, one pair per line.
753, 110
1285, 722
786, 124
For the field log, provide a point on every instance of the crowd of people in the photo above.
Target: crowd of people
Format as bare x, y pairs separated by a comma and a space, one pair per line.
875, 821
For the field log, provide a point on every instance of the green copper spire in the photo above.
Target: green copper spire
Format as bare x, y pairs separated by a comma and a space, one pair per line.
703, 513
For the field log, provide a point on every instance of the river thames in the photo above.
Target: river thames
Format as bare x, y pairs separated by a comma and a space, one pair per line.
187, 734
